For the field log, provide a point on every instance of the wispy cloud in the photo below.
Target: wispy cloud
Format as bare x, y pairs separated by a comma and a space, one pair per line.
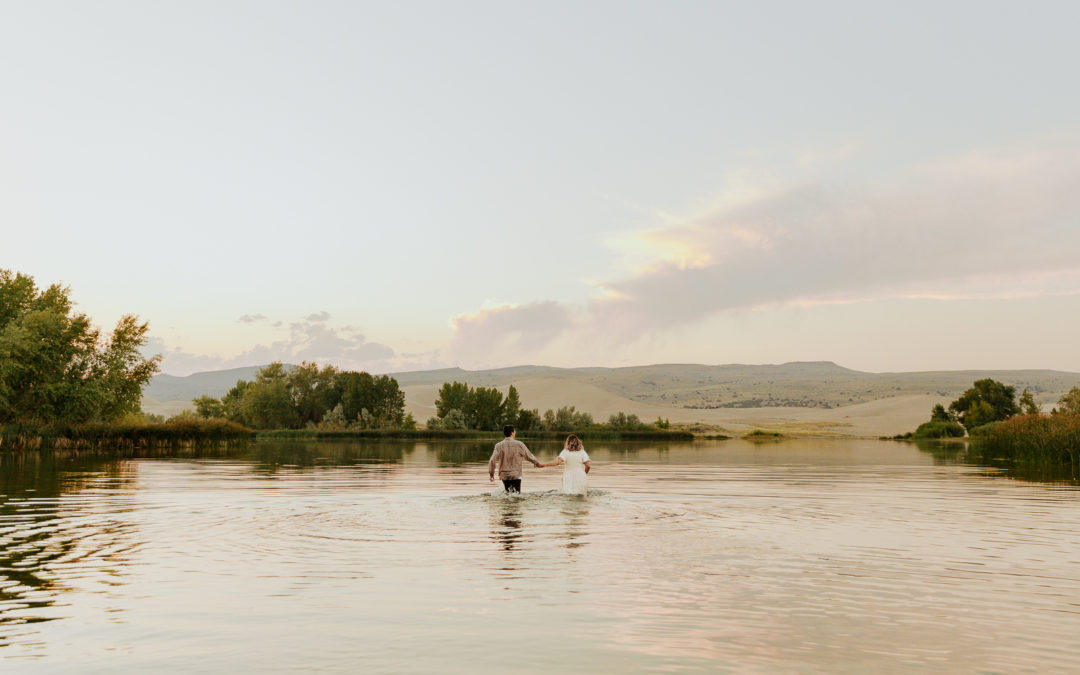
252, 318
308, 340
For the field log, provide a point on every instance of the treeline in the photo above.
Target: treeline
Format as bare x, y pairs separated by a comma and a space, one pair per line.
1013, 430
985, 404
461, 407
307, 396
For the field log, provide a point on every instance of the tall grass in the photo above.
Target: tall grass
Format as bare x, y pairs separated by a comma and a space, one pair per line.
1043, 444
177, 433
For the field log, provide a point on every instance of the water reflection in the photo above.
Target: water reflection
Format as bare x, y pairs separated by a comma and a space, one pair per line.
62, 522
507, 521
970, 451
797, 556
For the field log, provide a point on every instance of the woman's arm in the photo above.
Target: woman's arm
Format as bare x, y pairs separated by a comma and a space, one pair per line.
557, 462
588, 466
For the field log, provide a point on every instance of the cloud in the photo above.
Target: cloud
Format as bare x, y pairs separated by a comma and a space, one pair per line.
252, 318
989, 224
992, 224
307, 340
516, 329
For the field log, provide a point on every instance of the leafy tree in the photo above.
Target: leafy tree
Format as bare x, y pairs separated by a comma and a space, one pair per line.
453, 420
663, 423
621, 420
356, 392
485, 409
566, 418
268, 405
389, 403
528, 420
207, 407
312, 391
1069, 404
1028, 406
233, 402
452, 396
940, 414
979, 414
999, 400
511, 406
54, 366
281, 398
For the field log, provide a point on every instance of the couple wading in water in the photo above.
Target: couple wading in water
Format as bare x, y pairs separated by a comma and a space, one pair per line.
510, 453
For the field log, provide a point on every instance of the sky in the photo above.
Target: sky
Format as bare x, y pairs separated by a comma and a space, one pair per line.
408, 185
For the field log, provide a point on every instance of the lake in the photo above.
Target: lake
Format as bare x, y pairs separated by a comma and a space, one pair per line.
802, 555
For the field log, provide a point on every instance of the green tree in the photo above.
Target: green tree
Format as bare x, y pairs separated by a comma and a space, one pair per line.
621, 420
979, 414
313, 391
208, 407
999, 398
389, 404
1028, 405
268, 405
528, 420
233, 402
1069, 404
511, 407
356, 392
940, 414
454, 420
55, 367
452, 396
486, 407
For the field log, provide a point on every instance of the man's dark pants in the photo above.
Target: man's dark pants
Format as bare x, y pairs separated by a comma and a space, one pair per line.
512, 485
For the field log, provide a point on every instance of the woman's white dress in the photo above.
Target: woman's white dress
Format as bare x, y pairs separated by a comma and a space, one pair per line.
574, 479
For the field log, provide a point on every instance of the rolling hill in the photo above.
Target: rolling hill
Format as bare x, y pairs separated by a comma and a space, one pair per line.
808, 397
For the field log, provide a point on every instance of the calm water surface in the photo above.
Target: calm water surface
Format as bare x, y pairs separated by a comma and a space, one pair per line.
802, 555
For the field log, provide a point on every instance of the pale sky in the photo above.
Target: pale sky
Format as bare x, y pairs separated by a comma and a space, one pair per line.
407, 185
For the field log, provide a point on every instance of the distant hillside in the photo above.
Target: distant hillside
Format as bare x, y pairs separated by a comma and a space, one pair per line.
809, 384
821, 394
214, 383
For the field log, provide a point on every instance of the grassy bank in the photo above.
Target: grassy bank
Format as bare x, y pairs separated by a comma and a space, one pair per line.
184, 433
431, 434
1045, 444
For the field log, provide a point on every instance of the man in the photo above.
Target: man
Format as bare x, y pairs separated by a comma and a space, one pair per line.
508, 455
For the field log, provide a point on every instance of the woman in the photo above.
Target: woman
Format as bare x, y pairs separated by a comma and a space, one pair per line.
574, 478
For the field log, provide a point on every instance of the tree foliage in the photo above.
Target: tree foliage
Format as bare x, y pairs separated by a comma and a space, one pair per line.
1028, 405
1069, 404
308, 396
56, 367
986, 401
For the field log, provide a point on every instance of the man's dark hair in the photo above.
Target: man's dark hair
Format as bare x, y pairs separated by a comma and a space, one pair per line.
508, 429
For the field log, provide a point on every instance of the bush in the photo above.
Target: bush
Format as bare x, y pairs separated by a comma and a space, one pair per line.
1038, 442
983, 429
939, 429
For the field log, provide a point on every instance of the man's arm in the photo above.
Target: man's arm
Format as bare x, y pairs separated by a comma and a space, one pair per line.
529, 455
491, 463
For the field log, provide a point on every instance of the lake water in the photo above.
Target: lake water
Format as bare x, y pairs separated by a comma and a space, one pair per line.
795, 556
